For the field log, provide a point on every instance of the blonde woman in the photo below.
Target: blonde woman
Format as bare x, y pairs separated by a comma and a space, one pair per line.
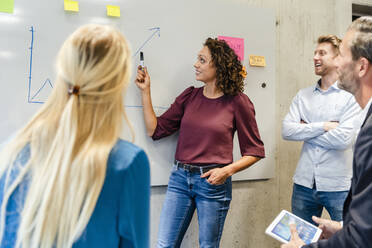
66, 179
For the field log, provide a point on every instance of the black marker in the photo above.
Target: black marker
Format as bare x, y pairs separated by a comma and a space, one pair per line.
142, 61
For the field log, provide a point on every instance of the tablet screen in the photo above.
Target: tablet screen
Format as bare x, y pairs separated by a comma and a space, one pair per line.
305, 230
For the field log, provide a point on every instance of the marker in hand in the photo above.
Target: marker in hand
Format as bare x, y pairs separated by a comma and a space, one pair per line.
141, 68
142, 61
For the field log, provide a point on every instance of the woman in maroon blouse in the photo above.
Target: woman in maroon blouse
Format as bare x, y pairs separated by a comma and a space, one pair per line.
207, 119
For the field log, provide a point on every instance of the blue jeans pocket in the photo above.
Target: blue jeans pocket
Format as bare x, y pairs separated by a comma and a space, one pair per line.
221, 191
205, 180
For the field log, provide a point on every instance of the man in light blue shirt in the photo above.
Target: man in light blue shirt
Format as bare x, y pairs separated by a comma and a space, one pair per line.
322, 116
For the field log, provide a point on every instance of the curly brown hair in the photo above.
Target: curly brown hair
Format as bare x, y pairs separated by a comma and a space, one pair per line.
228, 67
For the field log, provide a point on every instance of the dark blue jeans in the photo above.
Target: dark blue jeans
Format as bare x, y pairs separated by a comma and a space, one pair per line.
186, 192
307, 202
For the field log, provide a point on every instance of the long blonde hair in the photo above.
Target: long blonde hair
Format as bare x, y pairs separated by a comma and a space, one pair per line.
69, 139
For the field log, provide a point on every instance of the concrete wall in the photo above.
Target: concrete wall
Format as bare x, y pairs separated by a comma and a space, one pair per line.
256, 203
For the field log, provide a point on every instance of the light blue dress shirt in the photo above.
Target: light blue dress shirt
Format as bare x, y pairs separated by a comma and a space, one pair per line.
326, 157
121, 215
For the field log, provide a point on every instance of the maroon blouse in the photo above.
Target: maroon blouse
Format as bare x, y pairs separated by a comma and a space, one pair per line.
207, 127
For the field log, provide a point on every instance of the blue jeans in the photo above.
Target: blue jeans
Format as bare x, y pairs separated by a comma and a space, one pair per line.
307, 202
187, 191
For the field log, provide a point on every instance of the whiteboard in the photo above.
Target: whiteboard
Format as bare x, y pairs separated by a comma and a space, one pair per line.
169, 32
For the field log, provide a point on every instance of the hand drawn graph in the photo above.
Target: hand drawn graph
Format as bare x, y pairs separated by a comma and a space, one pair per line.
34, 98
47, 82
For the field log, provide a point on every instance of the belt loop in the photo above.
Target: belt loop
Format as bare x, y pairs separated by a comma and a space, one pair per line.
201, 170
176, 164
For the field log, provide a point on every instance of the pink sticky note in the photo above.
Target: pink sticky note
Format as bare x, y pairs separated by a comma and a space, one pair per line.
237, 44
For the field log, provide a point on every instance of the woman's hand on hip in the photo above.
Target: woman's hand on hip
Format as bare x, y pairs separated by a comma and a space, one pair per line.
216, 176
142, 78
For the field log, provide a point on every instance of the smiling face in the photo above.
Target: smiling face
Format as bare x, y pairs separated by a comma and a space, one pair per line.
324, 59
346, 67
205, 70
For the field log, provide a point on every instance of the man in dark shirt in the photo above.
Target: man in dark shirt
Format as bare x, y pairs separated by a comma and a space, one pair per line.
355, 75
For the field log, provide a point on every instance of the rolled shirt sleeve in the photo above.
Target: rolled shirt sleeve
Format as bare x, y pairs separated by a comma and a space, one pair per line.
170, 121
245, 121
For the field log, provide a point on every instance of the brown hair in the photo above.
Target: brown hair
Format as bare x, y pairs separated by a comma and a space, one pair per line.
228, 67
332, 39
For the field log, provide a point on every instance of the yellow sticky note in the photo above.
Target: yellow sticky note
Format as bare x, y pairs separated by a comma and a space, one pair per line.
113, 10
7, 6
71, 5
257, 60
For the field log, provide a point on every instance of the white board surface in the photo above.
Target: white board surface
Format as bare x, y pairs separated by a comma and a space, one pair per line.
169, 32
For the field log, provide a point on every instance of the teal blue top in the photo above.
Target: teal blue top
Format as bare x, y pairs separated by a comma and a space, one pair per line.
121, 215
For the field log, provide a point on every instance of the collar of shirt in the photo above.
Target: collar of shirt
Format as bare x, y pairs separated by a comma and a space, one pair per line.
334, 86
368, 104
363, 114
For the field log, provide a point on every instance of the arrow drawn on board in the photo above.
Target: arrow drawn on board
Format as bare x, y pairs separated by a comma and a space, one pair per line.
156, 30
47, 81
